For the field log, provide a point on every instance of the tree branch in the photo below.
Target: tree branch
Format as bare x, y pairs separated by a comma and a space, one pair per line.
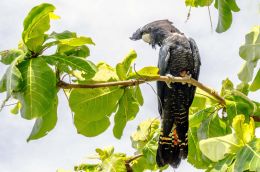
133, 82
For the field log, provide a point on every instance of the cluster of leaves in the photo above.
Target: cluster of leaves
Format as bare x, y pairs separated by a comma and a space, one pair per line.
31, 79
144, 141
224, 7
220, 138
223, 138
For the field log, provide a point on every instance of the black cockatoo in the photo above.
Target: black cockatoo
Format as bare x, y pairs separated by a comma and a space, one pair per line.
179, 56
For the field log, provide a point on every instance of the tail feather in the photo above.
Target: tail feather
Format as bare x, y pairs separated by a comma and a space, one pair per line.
173, 141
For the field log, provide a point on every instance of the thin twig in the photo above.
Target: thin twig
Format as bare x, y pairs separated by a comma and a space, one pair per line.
188, 16
210, 19
133, 158
133, 82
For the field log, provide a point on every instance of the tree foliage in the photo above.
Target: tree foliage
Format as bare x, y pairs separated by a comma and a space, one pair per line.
221, 137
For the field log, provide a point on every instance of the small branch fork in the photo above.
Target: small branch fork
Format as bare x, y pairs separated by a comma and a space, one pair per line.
132, 82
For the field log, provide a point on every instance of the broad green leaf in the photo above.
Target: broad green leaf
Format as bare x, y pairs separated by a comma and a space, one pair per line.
144, 133
63, 35
16, 108
213, 126
146, 73
244, 131
94, 104
3, 83
238, 103
250, 51
256, 83
113, 164
195, 157
149, 152
224, 165
139, 96
105, 73
128, 108
225, 9
39, 88
243, 88
43, 125
246, 72
35, 25
122, 69
75, 63
8, 56
75, 42
81, 51
86, 168
227, 85
196, 3
105, 153
199, 103
14, 77
196, 119
248, 158
217, 147
91, 128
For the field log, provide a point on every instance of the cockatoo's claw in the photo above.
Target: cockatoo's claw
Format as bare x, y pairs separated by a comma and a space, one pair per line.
169, 83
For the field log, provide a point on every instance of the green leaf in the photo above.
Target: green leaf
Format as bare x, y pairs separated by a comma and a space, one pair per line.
105, 153
244, 131
149, 152
196, 3
113, 164
14, 77
213, 126
225, 9
128, 108
139, 96
63, 35
224, 165
92, 108
122, 69
38, 90
196, 119
75, 63
105, 73
238, 103
248, 158
246, 72
145, 132
43, 125
75, 42
94, 104
250, 51
255, 85
36, 24
216, 148
146, 72
3, 83
16, 108
8, 56
81, 51
92, 128
227, 85
243, 87
195, 157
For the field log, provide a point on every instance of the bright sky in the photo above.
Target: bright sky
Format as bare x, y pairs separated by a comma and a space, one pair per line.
110, 23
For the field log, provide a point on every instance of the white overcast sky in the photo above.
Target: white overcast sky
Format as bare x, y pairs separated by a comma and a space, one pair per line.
110, 23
